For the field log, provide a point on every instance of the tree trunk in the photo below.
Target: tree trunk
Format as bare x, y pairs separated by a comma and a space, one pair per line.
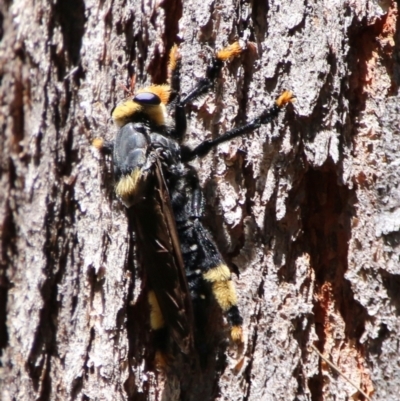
306, 210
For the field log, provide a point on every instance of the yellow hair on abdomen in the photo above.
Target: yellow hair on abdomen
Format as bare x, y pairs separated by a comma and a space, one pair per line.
222, 286
124, 112
237, 333
156, 318
218, 273
126, 186
232, 50
225, 294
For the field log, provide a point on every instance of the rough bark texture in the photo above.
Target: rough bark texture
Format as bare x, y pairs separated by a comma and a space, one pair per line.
307, 210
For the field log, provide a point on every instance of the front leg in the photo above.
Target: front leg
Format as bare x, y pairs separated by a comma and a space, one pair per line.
213, 70
266, 117
202, 87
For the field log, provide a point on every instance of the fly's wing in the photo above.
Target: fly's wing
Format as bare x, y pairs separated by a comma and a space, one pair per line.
160, 254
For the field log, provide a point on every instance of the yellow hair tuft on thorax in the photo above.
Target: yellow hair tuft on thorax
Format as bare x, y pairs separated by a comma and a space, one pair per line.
124, 112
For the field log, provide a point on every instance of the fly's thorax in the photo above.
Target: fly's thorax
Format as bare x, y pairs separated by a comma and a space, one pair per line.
131, 159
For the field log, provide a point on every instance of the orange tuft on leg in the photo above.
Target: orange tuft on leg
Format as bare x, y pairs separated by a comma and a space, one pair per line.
174, 57
285, 98
230, 51
98, 143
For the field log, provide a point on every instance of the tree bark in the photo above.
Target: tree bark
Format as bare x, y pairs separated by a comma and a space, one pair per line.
306, 210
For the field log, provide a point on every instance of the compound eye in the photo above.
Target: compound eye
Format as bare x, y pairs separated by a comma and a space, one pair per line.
147, 98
